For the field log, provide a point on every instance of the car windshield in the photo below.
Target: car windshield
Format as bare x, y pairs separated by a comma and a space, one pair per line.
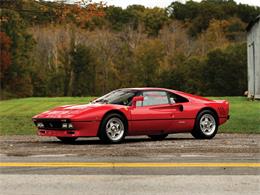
120, 96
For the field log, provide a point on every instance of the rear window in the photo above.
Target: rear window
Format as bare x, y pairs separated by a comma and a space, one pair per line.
176, 98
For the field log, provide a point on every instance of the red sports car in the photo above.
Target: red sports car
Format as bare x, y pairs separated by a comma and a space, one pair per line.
155, 112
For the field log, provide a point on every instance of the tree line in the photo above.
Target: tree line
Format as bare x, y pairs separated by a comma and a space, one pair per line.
60, 49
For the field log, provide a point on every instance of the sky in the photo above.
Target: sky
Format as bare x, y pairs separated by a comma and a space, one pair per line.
161, 3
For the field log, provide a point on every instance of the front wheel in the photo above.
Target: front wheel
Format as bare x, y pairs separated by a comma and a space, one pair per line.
113, 128
67, 140
206, 125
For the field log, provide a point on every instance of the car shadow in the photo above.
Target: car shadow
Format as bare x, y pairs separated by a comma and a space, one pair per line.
128, 140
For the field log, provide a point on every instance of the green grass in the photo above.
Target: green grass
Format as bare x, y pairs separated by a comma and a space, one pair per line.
245, 115
16, 114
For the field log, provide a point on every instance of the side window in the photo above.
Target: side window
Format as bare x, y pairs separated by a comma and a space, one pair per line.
154, 98
176, 98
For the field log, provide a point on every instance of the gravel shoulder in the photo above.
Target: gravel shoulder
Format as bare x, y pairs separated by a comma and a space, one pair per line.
237, 145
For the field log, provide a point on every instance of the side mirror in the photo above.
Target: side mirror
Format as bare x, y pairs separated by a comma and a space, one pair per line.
137, 99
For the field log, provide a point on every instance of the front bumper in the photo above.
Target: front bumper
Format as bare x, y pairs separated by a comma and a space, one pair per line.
81, 129
59, 133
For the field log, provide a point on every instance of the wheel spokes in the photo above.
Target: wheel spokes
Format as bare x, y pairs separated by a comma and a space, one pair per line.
115, 129
207, 124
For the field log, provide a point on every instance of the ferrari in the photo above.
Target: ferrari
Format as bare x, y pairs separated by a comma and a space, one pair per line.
155, 112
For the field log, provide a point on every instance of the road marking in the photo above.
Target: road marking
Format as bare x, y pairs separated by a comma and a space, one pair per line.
52, 155
124, 164
196, 155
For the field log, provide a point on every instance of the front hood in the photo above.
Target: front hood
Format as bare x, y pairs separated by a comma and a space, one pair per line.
67, 111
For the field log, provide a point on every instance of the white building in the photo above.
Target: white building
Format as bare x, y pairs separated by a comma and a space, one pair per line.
253, 58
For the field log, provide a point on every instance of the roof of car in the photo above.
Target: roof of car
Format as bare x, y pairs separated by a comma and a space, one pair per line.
147, 88
181, 93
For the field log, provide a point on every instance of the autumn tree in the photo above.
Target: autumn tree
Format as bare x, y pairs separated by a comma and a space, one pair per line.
117, 17
201, 13
213, 37
5, 56
19, 71
62, 49
154, 19
225, 71
186, 75
148, 58
84, 65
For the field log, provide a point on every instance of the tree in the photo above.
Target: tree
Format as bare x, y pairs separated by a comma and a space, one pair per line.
225, 72
136, 12
148, 58
74, 51
19, 71
200, 14
83, 64
154, 19
235, 30
117, 17
181, 11
247, 13
185, 76
5, 55
213, 37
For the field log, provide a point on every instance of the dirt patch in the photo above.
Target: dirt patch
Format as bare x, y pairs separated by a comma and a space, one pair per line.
133, 146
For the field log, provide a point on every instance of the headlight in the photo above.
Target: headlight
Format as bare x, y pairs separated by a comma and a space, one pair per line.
64, 125
67, 126
70, 126
40, 125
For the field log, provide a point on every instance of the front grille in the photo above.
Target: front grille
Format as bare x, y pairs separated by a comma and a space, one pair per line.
51, 123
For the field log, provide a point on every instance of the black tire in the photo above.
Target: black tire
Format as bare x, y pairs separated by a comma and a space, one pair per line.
67, 140
158, 137
199, 132
120, 124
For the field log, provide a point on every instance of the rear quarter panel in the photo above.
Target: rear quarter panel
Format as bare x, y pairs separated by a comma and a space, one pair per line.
221, 107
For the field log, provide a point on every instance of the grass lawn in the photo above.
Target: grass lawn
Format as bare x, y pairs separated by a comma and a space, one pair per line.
245, 115
16, 114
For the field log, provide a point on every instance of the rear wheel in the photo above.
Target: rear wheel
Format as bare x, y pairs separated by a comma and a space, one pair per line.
206, 125
158, 137
67, 139
113, 128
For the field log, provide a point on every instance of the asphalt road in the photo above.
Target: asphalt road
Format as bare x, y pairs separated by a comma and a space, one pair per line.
228, 164
128, 184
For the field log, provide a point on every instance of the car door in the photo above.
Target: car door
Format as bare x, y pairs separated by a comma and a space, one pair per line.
153, 115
